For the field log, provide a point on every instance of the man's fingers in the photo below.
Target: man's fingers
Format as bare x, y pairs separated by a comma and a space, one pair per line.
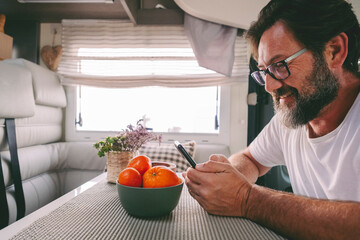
192, 186
206, 173
195, 191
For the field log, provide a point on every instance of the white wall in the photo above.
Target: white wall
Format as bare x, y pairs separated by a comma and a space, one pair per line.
239, 117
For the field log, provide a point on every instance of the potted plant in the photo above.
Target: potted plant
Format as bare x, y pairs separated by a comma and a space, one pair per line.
121, 148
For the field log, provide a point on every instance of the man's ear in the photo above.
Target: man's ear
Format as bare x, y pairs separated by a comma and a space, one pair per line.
336, 50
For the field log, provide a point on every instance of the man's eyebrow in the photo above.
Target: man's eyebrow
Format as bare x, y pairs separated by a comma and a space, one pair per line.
271, 61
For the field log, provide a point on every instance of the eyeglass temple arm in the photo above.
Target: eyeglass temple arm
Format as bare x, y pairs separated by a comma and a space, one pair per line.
295, 55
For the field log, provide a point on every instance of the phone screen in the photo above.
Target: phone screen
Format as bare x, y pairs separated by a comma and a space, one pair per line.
185, 154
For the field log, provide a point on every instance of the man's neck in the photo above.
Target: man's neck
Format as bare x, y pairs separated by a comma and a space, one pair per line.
334, 113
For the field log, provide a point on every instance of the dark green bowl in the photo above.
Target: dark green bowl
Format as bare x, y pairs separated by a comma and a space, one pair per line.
149, 202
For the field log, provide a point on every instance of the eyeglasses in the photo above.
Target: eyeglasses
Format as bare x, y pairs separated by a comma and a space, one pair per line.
279, 70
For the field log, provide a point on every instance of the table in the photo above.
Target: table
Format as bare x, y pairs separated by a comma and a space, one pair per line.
97, 214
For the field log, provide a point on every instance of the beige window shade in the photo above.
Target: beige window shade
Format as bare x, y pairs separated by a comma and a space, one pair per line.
117, 53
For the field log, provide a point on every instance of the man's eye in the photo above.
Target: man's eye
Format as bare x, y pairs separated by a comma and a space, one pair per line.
279, 65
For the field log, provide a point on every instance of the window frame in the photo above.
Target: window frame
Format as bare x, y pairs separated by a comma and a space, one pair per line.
223, 137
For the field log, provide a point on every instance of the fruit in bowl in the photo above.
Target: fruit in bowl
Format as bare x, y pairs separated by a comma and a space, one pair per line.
130, 177
160, 177
141, 163
155, 192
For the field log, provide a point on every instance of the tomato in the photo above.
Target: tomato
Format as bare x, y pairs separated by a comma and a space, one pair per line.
158, 177
130, 177
141, 163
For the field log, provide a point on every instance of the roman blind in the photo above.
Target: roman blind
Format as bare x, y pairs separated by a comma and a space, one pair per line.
117, 53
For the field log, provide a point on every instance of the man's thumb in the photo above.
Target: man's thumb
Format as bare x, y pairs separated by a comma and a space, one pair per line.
212, 166
218, 158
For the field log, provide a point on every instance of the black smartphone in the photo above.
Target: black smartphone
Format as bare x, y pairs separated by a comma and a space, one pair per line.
185, 154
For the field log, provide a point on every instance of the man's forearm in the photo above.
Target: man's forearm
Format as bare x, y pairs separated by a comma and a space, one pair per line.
242, 162
303, 218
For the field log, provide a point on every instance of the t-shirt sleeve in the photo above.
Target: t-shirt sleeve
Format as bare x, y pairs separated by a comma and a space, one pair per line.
266, 147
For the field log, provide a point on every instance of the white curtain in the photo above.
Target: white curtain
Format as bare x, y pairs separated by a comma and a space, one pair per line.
117, 53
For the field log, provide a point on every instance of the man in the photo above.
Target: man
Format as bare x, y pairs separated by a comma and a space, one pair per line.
307, 52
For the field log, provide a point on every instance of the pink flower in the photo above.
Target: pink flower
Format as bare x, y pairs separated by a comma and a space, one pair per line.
128, 140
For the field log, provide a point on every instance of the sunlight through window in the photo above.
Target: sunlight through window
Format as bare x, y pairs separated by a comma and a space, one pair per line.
139, 62
190, 110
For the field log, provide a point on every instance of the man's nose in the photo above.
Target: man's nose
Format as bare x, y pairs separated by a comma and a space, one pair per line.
272, 84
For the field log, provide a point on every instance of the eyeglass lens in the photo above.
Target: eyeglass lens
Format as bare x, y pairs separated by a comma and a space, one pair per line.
259, 77
278, 71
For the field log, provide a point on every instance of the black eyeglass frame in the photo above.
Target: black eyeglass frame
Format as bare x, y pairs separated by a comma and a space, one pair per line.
259, 76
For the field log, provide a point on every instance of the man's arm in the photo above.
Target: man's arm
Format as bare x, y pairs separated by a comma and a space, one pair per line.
247, 165
223, 190
303, 218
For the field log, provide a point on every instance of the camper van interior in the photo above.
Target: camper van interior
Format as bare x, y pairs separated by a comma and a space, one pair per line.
73, 72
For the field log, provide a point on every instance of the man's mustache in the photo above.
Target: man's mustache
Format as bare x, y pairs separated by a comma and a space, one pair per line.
284, 91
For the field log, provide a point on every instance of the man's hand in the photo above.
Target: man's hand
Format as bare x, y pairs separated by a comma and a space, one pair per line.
218, 187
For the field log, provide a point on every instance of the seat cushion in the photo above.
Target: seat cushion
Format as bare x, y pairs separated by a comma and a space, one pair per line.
16, 92
47, 88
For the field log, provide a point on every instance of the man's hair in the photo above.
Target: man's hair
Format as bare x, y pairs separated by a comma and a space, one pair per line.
313, 23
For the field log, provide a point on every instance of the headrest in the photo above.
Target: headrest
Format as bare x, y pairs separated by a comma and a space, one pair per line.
16, 92
47, 88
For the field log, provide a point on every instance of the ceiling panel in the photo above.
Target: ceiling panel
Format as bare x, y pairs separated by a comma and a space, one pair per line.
54, 12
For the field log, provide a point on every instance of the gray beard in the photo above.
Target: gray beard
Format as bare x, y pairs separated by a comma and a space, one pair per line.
322, 89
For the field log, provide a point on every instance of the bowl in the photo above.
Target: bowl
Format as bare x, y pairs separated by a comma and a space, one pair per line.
170, 165
149, 202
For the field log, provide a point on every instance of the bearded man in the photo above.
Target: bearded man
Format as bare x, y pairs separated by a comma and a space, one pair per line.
307, 53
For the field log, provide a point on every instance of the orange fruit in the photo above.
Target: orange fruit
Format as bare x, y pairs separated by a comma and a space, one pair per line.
141, 163
130, 177
158, 177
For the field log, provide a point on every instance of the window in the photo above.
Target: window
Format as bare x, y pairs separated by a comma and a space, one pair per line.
185, 110
184, 114
125, 73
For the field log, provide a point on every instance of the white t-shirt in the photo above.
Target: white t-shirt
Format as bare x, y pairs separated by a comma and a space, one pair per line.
326, 167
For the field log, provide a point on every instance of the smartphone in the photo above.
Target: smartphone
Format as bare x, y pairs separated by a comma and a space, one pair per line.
185, 154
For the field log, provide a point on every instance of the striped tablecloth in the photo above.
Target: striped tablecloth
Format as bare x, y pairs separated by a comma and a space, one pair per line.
97, 214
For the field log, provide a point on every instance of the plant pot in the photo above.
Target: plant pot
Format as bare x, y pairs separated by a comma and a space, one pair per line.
116, 162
